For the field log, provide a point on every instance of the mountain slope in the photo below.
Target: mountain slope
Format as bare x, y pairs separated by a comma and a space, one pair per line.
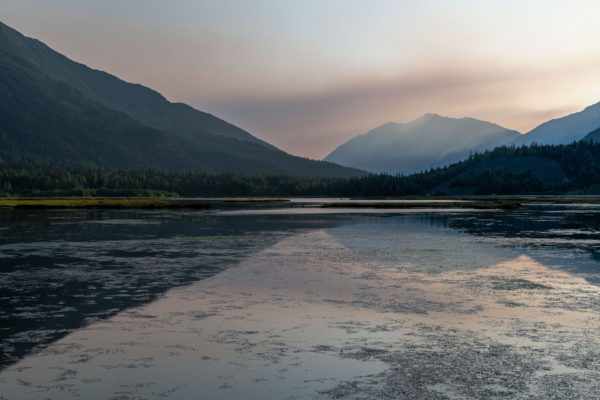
564, 130
43, 115
548, 173
593, 136
426, 142
141, 103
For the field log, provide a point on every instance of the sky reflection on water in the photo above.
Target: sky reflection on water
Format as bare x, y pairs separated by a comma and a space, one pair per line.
301, 306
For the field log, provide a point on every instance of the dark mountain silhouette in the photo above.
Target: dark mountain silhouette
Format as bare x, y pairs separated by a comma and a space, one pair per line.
52, 107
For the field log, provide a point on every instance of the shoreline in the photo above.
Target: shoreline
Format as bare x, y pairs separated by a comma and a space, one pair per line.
505, 203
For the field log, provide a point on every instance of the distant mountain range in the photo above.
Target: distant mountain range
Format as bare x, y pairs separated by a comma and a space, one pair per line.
429, 141
52, 107
435, 141
564, 130
593, 136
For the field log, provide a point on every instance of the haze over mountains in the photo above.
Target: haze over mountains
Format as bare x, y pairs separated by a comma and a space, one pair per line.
564, 130
52, 107
436, 141
429, 141
593, 136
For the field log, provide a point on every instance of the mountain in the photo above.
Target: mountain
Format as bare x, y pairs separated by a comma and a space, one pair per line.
52, 107
141, 103
564, 130
548, 172
593, 136
429, 141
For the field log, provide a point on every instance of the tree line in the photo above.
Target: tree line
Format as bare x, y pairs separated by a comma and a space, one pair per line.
580, 162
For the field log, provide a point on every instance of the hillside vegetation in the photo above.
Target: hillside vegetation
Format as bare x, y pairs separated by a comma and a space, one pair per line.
55, 108
573, 168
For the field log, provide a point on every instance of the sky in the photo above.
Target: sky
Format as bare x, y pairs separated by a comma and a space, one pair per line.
308, 75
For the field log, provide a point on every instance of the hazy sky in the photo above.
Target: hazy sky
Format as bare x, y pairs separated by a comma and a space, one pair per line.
308, 75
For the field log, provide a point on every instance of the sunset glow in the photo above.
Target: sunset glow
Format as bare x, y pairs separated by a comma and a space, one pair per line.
307, 76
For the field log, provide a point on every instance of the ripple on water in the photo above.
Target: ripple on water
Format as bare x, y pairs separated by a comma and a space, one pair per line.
406, 306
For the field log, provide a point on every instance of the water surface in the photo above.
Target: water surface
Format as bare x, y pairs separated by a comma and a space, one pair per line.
283, 304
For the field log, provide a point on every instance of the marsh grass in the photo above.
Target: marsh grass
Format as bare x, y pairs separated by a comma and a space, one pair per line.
82, 202
460, 202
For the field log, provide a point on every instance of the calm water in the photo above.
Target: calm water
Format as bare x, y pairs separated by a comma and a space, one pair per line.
298, 303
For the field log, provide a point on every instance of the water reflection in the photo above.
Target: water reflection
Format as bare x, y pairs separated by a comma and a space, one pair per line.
60, 270
543, 233
565, 226
389, 305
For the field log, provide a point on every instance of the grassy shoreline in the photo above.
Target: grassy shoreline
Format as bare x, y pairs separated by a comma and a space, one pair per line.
506, 203
79, 202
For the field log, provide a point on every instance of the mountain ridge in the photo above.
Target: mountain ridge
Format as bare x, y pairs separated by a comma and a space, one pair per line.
564, 130
429, 141
43, 115
140, 102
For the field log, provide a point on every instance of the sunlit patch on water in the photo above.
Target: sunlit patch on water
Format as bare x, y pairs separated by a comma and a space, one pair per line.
345, 211
124, 222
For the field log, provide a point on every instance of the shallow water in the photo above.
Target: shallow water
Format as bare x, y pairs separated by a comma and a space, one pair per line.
273, 304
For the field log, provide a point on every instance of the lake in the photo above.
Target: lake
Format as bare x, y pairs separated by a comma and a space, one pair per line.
299, 303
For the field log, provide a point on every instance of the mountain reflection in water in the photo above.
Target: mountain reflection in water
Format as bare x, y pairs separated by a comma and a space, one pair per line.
61, 270
385, 305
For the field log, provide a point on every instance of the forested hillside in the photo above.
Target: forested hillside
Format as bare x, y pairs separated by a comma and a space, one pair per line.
573, 168
54, 108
